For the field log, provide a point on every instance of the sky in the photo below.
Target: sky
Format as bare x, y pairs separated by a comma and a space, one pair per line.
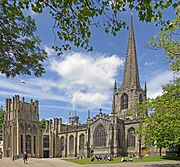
82, 81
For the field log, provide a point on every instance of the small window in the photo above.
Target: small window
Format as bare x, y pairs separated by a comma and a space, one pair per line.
124, 101
140, 99
131, 137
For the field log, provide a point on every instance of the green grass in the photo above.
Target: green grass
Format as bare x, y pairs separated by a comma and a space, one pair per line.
118, 160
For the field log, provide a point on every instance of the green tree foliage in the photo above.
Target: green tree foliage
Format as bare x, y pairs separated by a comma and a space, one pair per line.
162, 125
73, 19
20, 51
168, 40
42, 123
73, 23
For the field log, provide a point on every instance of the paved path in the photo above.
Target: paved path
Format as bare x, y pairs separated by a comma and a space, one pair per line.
55, 162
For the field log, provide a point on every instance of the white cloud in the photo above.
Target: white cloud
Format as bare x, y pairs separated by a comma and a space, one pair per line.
30, 89
89, 99
87, 79
155, 84
80, 79
82, 70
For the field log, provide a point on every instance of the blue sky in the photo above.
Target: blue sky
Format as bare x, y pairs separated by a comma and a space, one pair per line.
81, 81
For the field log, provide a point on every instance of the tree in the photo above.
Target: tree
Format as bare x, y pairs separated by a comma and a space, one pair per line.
73, 22
168, 41
20, 51
73, 19
42, 123
162, 125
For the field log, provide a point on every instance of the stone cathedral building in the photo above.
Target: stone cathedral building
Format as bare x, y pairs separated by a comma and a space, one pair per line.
103, 134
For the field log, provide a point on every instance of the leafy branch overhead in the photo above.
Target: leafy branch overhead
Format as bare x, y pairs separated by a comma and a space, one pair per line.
20, 51
168, 41
73, 19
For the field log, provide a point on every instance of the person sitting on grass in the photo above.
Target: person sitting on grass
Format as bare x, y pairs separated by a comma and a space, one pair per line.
131, 157
123, 159
92, 159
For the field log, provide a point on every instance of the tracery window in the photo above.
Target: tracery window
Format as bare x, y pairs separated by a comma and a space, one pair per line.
81, 142
124, 101
28, 144
71, 143
99, 136
131, 137
140, 99
62, 143
46, 141
34, 144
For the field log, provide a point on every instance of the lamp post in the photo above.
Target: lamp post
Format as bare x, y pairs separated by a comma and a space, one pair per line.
139, 145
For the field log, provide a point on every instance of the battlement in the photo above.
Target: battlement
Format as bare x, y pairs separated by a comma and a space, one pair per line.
21, 109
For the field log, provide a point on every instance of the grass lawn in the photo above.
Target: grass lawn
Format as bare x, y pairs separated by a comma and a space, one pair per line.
118, 160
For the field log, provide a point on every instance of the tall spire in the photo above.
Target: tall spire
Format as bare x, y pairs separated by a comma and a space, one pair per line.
131, 74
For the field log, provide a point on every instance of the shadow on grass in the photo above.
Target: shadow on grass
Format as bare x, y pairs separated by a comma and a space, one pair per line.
177, 158
163, 165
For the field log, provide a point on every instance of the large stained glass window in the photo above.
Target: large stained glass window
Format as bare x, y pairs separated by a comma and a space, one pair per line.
99, 136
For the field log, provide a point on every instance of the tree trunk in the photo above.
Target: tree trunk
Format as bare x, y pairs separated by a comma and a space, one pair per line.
178, 153
160, 151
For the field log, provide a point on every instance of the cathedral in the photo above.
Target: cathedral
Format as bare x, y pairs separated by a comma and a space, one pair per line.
101, 135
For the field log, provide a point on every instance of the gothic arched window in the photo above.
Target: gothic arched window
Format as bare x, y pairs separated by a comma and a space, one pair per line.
62, 143
131, 137
81, 142
140, 99
99, 136
124, 101
28, 144
22, 143
71, 143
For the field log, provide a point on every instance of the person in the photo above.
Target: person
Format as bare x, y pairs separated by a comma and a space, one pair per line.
25, 156
131, 157
1, 155
123, 159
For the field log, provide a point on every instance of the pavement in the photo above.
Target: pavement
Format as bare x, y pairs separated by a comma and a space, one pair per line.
56, 162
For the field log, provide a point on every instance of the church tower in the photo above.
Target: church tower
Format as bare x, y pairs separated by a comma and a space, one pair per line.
130, 91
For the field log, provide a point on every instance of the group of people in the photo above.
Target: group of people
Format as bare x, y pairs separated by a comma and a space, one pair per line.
100, 157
